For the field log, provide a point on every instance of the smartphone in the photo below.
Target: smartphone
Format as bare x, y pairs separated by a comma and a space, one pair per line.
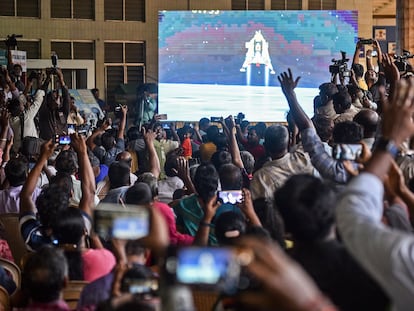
71, 128
126, 223
230, 196
165, 126
54, 59
210, 268
163, 116
374, 54
140, 286
347, 151
215, 119
62, 139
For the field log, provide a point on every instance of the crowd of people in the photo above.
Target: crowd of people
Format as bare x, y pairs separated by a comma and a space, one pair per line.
323, 205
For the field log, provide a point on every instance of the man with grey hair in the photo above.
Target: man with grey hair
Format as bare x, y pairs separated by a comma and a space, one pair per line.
284, 164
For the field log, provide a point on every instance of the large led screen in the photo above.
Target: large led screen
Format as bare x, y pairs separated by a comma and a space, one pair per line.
219, 63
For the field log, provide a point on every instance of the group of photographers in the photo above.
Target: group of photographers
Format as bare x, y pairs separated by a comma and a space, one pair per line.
360, 274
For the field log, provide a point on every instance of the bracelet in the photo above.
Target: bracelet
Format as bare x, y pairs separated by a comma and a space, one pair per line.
205, 224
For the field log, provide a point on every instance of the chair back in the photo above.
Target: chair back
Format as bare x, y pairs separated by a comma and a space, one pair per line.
72, 291
13, 269
204, 300
10, 222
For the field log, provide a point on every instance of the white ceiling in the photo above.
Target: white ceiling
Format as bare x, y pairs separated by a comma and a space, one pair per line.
383, 8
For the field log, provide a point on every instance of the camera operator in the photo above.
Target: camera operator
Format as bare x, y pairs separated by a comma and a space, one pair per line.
17, 77
22, 119
53, 113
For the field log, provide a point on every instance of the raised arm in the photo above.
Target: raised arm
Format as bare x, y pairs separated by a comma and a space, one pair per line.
121, 130
65, 92
327, 166
210, 208
26, 203
86, 174
229, 127
355, 59
288, 85
90, 142
4, 121
154, 162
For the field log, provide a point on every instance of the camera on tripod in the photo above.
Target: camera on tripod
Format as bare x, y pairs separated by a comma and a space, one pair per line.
340, 66
401, 61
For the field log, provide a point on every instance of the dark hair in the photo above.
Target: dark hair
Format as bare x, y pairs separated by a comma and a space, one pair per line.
359, 70
212, 132
133, 133
221, 141
206, 181
271, 220
229, 222
203, 122
276, 139
64, 181
342, 101
136, 272
44, 274
139, 193
306, 204
16, 171
171, 165
13, 107
220, 158
347, 132
244, 124
134, 247
369, 120
67, 162
69, 229
323, 126
118, 174
326, 91
186, 129
50, 201
260, 129
230, 177
108, 140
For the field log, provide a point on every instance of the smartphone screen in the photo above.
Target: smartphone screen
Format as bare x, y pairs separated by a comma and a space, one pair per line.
230, 196
203, 265
115, 221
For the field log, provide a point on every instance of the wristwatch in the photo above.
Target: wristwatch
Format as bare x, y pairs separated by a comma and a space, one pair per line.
388, 145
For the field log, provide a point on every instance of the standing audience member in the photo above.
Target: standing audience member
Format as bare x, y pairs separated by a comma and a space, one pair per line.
54, 111
111, 145
22, 119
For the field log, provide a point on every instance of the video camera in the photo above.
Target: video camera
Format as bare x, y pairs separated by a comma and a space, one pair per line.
340, 66
401, 61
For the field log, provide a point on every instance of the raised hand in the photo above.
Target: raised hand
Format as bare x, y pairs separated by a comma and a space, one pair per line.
287, 82
47, 149
78, 143
398, 111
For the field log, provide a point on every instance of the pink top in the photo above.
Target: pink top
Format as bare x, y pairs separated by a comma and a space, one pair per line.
97, 263
176, 238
